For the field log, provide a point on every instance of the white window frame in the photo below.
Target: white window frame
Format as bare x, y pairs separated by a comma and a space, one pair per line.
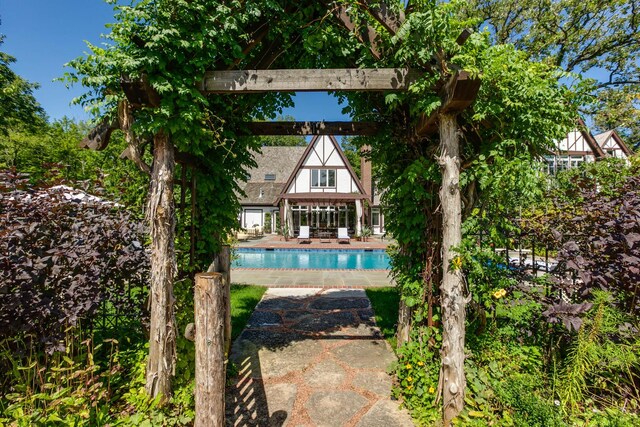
318, 175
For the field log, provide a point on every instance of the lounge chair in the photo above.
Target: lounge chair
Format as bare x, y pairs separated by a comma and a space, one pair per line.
343, 236
303, 235
242, 235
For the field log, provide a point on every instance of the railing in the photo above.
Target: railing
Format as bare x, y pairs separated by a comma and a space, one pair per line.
529, 258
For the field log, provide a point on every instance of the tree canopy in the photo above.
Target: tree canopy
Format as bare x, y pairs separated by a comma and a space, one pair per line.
599, 39
17, 103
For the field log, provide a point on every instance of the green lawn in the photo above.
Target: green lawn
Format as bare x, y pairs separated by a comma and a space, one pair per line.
385, 305
244, 299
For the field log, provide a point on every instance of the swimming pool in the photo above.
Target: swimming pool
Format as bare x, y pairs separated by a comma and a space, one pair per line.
313, 259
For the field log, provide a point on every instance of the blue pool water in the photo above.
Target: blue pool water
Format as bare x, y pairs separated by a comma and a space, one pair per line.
322, 259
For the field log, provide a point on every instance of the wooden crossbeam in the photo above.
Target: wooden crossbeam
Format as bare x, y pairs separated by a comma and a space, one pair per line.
323, 80
385, 16
99, 137
457, 94
313, 128
367, 36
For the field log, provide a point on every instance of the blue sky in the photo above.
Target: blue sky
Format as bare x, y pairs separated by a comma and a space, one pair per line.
45, 34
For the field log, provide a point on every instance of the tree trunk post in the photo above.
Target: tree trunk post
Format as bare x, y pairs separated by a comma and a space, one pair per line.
452, 378
161, 218
222, 264
405, 316
210, 357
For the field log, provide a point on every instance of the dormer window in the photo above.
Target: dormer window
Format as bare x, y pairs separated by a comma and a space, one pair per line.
269, 176
323, 178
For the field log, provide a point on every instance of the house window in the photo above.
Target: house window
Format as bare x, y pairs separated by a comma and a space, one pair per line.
323, 178
576, 161
300, 216
375, 218
270, 177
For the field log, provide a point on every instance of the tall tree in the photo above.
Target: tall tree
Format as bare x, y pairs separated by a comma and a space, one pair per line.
17, 103
599, 39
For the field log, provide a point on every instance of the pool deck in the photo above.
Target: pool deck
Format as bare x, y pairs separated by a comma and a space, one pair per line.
275, 241
312, 278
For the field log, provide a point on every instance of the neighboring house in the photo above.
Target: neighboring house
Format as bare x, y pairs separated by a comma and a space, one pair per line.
612, 145
581, 146
314, 186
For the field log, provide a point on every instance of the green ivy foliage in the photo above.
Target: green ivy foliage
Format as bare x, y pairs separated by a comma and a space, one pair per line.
521, 108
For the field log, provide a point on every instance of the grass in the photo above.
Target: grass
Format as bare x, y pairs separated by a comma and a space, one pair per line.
385, 303
244, 299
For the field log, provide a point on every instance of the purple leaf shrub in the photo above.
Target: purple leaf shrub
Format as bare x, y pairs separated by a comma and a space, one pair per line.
62, 254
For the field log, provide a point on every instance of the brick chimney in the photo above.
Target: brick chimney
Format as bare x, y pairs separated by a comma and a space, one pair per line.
365, 172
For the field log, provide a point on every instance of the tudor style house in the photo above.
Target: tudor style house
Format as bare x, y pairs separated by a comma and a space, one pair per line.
581, 146
311, 186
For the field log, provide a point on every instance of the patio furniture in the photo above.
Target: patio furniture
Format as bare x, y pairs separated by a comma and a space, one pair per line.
343, 236
303, 235
325, 236
242, 235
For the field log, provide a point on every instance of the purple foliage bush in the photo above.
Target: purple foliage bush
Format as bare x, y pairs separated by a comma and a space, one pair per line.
599, 241
62, 254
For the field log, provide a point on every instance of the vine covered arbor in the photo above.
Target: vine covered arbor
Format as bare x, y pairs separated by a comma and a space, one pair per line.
189, 82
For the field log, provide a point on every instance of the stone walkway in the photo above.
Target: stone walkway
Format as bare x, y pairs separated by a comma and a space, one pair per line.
313, 357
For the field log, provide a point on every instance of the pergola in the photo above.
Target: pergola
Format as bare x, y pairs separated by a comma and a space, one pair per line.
456, 88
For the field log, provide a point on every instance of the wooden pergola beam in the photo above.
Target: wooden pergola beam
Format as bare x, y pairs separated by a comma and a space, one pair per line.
99, 137
323, 80
367, 36
457, 94
385, 16
313, 128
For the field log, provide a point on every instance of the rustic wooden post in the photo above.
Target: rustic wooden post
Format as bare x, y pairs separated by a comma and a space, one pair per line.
405, 315
452, 378
192, 230
222, 264
210, 357
161, 217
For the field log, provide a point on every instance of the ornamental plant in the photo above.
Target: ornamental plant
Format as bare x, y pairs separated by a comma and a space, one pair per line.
63, 253
599, 241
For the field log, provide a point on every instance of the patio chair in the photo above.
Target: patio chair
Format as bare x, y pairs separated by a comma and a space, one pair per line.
303, 235
242, 235
343, 236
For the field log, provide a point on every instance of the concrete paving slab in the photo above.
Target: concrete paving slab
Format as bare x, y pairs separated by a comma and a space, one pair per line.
385, 413
291, 292
341, 293
312, 278
331, 408
375, 382
326, 374
365, 354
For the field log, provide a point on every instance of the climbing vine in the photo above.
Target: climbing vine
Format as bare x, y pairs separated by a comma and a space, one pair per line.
168, 46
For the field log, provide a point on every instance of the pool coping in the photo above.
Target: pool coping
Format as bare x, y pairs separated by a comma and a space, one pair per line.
338, 270
336, 250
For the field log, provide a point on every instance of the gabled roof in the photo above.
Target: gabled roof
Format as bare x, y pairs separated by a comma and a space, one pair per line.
306, 155
261, 193
602, 138
597, 150
278, 161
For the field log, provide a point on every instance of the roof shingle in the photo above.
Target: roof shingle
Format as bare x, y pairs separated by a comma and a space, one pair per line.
279, 161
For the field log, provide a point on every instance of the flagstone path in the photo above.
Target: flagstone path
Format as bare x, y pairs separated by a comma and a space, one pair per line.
313, 357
